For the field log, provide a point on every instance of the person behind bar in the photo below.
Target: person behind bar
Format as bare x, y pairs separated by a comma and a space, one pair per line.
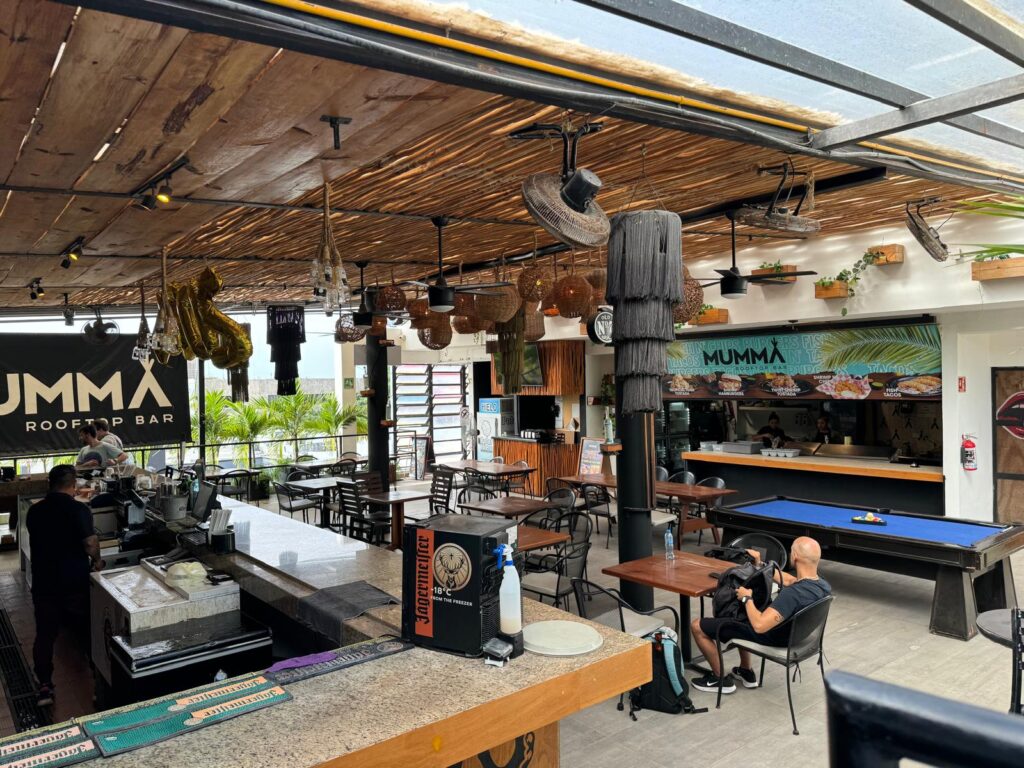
97, 454
772, 434
104, 435
762, 627
825, 433
64, 549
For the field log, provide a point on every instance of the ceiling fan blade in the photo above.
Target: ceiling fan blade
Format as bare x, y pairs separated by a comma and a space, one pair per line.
726, 272
709, 284
481, 293
779, 275
420, 283
704, 279
482, 285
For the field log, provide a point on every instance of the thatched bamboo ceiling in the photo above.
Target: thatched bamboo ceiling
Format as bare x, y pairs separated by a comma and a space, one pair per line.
248, 119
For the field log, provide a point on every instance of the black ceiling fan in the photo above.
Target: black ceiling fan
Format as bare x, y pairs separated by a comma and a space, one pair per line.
732, 283
440, 295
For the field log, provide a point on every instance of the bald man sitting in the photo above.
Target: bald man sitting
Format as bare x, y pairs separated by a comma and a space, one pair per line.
761, 627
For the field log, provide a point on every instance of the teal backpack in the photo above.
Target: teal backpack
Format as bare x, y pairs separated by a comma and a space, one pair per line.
668, 690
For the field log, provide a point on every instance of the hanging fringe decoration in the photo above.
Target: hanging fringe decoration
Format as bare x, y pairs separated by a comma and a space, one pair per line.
645, 282
238, 378
511, 343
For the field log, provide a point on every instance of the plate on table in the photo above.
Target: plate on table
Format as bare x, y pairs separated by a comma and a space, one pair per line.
916, 386
561, 638
843, 386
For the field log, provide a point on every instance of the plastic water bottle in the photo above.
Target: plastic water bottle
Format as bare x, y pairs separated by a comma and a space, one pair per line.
670, 545
510, 598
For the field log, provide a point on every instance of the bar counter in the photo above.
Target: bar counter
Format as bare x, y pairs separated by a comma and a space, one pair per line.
414, 708
550, 459
878, 482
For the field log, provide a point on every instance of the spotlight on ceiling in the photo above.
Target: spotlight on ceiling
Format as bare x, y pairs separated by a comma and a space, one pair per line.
72, 253
164, 194
65, 263
148, 201
35, 289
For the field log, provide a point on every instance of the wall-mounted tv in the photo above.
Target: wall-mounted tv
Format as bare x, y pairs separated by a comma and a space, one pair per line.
533, 374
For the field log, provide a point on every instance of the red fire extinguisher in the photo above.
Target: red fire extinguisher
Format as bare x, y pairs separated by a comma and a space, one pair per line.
968, 453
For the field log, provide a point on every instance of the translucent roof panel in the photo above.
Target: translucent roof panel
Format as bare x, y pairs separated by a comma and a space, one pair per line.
597, 29
930, 57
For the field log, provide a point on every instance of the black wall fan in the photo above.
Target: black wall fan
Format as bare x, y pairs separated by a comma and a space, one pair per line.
925, 234
100, 332
440, 295
780, 213
732, 283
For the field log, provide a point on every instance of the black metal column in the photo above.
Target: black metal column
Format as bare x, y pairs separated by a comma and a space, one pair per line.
635, 487
201, 398
376, 408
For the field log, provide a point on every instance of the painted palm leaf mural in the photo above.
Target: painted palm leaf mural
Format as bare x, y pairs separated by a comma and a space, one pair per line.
881, 362
899, 348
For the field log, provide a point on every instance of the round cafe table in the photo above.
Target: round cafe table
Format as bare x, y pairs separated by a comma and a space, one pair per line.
996, 626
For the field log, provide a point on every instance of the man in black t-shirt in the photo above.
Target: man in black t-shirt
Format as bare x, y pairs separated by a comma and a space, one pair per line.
762, 627
64, 549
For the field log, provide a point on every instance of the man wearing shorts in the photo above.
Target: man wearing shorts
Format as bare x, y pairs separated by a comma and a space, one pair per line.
798, 592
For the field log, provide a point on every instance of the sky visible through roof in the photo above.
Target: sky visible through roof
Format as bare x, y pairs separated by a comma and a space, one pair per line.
886, 38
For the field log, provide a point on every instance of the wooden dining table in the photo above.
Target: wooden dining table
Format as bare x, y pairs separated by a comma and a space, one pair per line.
688, 575
685, 492
396, 500
507, 506
531, 537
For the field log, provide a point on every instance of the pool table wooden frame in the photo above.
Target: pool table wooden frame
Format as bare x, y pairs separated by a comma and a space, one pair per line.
968, 580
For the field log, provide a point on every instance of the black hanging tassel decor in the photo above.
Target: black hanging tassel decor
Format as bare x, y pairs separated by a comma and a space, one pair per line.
238, 378
286, 330
645, 281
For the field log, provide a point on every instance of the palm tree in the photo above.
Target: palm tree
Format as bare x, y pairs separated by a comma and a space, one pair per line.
246, 422
217, 409
332, 418
294, 416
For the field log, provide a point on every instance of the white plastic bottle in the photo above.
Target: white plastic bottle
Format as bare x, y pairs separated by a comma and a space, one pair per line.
510, 598
670, 548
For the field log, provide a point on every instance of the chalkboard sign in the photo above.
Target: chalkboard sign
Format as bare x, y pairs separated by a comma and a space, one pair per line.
591, 458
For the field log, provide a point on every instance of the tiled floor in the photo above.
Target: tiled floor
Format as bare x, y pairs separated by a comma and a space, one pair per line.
878, 627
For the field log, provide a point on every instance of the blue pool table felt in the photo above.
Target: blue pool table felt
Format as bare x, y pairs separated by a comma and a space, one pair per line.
939, 530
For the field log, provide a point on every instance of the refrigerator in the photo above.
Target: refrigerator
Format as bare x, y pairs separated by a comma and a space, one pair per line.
495, 418
671, 434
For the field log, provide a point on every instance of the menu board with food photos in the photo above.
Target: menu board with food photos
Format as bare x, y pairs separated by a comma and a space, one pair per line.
885, 362
591, 458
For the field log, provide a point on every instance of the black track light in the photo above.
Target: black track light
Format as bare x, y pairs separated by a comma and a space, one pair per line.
148, 201
164, 195
65, 263
72, 253
35, 289
40, 292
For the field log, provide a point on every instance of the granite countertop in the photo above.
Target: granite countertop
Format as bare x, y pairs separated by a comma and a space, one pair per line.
411, 709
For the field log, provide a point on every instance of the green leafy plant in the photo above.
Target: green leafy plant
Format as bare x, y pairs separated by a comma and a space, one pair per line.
1011, 209
294, 416
912, 348
774, 266
217, 406
331, 417
246, 422
706, 308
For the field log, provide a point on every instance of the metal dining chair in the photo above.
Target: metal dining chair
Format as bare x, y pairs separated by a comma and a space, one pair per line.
234, 484
598, 503
560, 568
518, 483
291, 501
471, 493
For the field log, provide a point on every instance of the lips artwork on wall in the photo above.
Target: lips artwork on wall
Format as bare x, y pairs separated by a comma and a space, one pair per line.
1010, 415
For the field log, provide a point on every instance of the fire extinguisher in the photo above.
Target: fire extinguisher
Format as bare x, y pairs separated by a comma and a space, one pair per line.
968, 453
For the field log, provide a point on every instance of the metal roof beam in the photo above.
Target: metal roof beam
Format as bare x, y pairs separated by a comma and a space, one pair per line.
975, 23
922, 113
711, 30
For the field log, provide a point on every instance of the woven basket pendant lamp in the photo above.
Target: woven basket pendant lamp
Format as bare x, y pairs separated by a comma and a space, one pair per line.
345, 330
500, 304
572, 294
390, 298
533, 282
644, 283
438, 335
533, 322
693, 299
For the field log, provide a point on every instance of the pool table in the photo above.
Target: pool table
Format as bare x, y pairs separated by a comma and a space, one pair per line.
968, 560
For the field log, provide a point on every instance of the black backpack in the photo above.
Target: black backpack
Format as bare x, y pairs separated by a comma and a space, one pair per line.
736, 555
668, 690
758, 578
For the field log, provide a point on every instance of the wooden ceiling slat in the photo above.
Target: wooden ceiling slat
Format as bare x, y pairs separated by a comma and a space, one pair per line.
31, 36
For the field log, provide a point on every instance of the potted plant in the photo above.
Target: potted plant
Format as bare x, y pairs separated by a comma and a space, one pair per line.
996, 261
775, 268
261, 487
883, 255
711, 315
837, 287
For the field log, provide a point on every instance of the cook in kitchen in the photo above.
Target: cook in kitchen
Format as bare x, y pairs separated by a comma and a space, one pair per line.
771, 433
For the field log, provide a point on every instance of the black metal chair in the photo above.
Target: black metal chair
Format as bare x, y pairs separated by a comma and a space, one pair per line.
660, 474
471, 493
806, 635
441, 491
234, 484
359, 518
772, 547
685, 476
700, 510
517, 483
291, 501
622, 616
577, 524
342, 468
560, 568
598, 503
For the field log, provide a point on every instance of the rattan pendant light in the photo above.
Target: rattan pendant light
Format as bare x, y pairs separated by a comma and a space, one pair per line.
693, 299
572, 294
345, 331
533, 282
500, 304
379, 326
465, 324
390, 298
438, 335
533, 322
